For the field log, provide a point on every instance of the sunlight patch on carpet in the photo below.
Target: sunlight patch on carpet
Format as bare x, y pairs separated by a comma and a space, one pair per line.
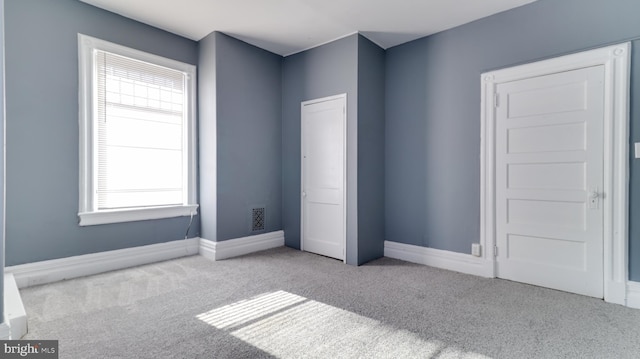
287, 325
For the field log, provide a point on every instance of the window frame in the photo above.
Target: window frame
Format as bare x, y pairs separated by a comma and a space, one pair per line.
88, 213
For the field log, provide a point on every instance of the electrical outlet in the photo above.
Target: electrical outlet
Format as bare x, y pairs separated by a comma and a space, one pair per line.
476, 249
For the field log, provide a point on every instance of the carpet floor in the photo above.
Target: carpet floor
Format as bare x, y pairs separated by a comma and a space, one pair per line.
283, 303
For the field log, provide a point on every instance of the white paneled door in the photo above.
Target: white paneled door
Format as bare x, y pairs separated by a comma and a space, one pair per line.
323, 176
549, 180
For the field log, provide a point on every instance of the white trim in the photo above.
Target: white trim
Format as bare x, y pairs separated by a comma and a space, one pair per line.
135, 214
88, 212
633, 294
240, 246
615, 60
14, 311
458, 262
344, 167
54, 270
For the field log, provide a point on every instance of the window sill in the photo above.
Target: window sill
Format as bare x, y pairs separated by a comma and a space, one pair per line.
135, 214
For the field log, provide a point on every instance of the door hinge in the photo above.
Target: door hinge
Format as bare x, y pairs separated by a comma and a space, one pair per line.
495, 251
496, 100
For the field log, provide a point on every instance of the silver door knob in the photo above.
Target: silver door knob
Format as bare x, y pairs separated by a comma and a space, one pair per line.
594, 194
304, 194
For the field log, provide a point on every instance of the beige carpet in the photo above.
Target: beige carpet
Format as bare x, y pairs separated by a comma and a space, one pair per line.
283, 303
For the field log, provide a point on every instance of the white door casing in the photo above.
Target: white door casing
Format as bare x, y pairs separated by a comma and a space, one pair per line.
613, 199
323, 197
548, 180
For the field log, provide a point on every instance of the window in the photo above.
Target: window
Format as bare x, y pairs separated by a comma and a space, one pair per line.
137, 135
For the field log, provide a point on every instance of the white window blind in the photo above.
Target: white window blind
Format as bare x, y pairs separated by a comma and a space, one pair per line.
140, 133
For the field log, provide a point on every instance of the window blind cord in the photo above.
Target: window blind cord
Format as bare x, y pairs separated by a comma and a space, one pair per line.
189, 226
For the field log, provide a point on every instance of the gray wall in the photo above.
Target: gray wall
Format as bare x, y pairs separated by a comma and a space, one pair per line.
249, 136
1, 161
406, 144
433, 117
371, 125
326, 70
42, 129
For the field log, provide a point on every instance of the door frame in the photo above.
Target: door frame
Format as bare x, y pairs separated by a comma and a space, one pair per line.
616, 62
344, 164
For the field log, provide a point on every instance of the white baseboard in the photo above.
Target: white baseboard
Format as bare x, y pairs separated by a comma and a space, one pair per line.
615, 292
54, 270
239, 246
458, 262
14, 311
633, 295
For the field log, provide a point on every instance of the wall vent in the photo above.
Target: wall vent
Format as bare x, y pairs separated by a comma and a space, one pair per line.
258, 219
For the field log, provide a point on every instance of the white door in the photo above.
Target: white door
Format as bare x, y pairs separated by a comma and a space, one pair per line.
549, 178
323, 176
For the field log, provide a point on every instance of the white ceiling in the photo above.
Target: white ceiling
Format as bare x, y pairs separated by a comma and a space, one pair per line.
289, 26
